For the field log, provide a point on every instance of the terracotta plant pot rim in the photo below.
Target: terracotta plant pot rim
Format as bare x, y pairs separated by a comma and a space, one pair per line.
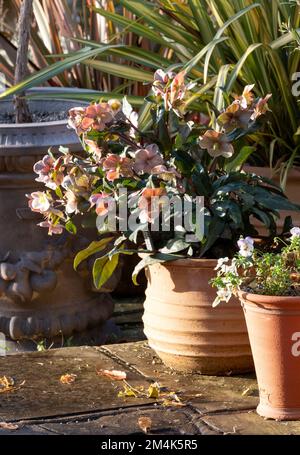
199, 263
271, 301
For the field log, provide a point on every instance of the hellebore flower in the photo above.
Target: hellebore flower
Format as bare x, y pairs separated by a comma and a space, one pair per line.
147, 204
247, 97
52, 228
71, 202
217, 144
76, 115
246, 246
146, 159
39, 202
96, 117
177, 88
102, 201
117, 167
93, 147
115, 105
261, 107
165, 173
93, 117
235, 117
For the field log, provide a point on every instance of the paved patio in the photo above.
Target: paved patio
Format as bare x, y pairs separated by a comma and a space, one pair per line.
39, 403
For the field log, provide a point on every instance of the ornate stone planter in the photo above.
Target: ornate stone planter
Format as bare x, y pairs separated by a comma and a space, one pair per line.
40, 294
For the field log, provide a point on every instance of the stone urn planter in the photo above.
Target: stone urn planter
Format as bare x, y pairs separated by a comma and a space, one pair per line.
41, 296
273, 325
186, 332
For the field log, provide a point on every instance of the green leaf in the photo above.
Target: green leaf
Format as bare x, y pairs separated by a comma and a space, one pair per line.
103, 269
174, 246
70, 226
150, 260
93, 248
124, 71
237, 162
52, 70
209, 47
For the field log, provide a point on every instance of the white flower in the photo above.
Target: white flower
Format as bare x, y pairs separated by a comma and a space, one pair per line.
223, 295
220, 263
246, 246
295, 231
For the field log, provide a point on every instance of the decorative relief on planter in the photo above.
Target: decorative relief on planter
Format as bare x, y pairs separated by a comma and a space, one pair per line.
33, 274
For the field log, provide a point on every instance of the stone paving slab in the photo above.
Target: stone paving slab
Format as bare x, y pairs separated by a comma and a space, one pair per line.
43, 395
90, 405
206, 393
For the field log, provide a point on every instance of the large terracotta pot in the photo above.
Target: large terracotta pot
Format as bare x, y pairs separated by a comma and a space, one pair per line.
274, 330
182, 326
292, 191
41, 296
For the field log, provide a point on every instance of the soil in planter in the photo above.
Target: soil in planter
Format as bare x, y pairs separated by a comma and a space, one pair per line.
37, 117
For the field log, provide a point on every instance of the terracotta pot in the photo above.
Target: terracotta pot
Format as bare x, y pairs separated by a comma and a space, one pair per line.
184, 329
291, 191
274, 330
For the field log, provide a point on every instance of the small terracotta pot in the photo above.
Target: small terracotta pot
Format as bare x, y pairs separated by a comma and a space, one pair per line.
186, 332
274, 330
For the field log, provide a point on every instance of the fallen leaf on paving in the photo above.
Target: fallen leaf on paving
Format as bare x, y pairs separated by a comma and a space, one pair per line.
8, 426
173, 403
145, 424
6, 382
127, 392
115, 375
154, 390
68, 378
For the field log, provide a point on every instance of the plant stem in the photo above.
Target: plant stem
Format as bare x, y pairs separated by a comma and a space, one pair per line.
21, 107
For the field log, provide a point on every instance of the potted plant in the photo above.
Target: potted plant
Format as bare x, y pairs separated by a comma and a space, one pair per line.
268, 286
40, 294
171, 193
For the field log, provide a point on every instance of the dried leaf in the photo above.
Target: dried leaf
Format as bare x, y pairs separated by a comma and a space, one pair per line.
8, 426
154, 390
6, 382
68, 378
115, 375
127, 392
145, 424
173, 403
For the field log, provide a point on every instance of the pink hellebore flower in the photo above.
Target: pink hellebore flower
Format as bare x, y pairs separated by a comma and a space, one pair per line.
102, 201
261, 107
247, 97
39, 202
93, 147
96, 117
164, 173
76, 115
93, 117
146, 159
217, 144
52, 228
117, 167
71, 203
235, 116
178, 88
146, 203
44, 168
